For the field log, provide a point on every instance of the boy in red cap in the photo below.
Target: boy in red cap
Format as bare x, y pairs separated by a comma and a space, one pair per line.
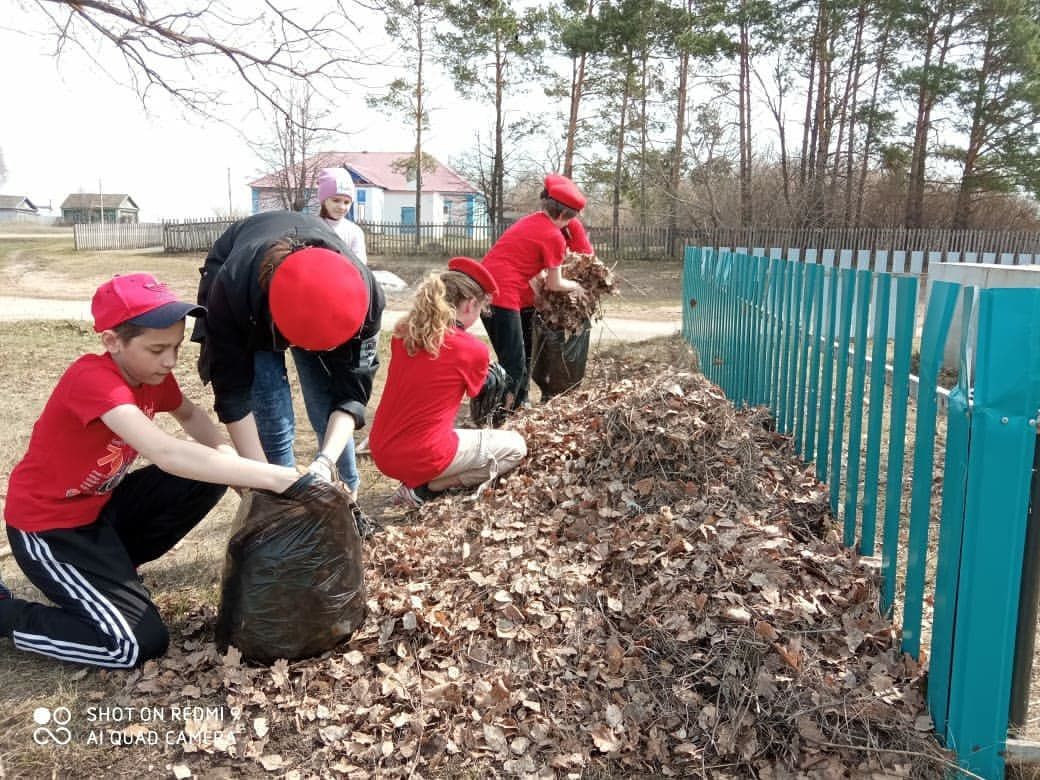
277, 281
434, 362
79, 522
531, 245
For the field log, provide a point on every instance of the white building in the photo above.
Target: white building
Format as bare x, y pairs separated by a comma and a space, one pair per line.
385, 194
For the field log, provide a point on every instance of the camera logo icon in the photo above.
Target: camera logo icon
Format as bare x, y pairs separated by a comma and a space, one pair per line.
44, 718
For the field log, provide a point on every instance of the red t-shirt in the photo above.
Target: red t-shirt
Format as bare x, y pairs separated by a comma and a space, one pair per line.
577, 241
74, 460
528, 245
413, 435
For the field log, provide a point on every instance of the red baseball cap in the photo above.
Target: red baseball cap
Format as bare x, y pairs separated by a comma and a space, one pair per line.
318, 299
476, 272
139, 299
563, 190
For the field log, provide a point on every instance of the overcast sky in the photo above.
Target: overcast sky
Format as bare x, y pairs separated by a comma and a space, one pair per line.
65, 126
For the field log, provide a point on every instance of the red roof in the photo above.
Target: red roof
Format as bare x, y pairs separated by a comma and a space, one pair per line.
377, 168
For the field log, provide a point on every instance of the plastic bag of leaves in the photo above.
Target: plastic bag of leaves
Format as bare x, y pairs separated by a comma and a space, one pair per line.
292, 584
558, 358
565, 312
488, 407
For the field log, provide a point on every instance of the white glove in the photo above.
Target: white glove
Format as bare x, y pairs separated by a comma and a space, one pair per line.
323, 468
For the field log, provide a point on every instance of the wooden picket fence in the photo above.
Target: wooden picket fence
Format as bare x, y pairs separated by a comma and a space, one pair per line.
193, 235
878, 249
391, 238
118, 235
448, 239
428, 238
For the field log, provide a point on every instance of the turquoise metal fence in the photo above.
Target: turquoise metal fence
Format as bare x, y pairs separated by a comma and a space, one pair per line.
829, 351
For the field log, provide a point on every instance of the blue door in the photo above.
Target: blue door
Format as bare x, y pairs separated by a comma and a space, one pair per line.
407, 219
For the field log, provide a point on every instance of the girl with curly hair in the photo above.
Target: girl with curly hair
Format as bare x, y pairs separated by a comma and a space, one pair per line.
434, 362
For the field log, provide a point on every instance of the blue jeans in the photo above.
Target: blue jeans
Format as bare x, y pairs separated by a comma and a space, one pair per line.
273, 408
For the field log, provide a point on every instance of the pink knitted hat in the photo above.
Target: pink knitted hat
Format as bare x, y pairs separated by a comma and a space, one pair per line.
335, 181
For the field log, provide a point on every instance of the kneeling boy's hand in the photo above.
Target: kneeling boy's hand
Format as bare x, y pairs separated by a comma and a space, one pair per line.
299, 488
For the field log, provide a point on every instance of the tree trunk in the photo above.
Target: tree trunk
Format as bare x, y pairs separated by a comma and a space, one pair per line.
643, 148
926, 100
776, 108
577, 90
815, 213
675, 172
418, 125
855, 73
871, 134
619, 157
498, 166
744, 107
976, 138
808, 128
577, 85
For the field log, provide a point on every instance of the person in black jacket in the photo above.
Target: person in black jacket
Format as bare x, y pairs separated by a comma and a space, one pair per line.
281, 280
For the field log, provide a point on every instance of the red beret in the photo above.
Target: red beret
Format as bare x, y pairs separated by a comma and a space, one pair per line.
476, 272
563, 190
318, 299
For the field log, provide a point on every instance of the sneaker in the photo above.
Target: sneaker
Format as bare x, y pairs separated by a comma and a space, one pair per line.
406, 498
426, 494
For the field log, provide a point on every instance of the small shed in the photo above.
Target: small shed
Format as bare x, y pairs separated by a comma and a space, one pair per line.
83, 207
17, 208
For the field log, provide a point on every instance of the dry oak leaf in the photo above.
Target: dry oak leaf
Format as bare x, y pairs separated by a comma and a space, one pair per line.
495, 738
272, 762
766, 631
604, 738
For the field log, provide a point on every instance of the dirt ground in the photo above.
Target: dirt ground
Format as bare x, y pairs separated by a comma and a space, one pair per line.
47, 266
43, 266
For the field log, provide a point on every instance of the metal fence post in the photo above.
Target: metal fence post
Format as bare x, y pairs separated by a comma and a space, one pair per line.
1027, 604
1002, 442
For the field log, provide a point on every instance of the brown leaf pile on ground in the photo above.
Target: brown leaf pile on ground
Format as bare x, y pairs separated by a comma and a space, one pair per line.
564, 311
658, 590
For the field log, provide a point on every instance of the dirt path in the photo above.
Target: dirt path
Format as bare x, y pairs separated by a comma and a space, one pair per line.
14, 307
611, 328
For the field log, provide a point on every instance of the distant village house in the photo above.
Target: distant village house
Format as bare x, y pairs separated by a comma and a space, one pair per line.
384, 193
82, 207
18, 208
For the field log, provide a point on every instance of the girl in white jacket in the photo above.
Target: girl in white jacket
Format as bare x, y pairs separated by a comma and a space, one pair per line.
336, 194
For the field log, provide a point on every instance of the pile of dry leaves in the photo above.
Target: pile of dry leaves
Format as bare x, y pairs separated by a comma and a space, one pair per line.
658, 590
568, 313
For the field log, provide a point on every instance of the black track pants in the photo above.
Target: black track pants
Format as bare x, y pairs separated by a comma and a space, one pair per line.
505, 331
103, 614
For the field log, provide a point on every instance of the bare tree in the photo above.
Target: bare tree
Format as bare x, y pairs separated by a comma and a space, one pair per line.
407, 23
291, 154
200, 43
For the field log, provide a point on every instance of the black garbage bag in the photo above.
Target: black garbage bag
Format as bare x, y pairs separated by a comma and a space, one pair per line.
557, 359
490, 401
292, 585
